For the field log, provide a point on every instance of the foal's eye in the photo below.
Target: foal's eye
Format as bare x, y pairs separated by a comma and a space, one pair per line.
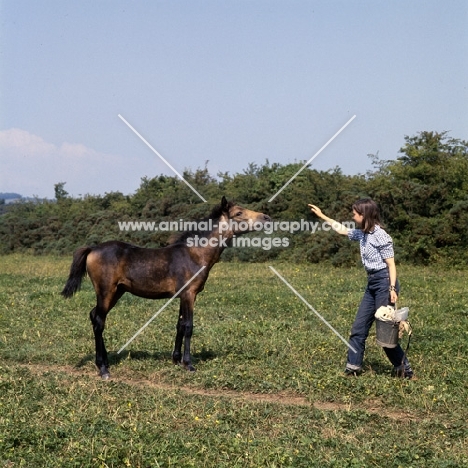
238, 213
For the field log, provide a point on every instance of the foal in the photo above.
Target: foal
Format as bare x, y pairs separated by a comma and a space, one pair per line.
115, 268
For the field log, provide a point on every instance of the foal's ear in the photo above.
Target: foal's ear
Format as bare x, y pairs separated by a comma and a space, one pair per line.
224, 203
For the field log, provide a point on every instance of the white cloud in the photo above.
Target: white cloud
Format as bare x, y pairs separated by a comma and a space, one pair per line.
20, 140
31, 166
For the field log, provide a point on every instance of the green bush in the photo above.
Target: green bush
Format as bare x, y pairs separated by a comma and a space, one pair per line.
423, 196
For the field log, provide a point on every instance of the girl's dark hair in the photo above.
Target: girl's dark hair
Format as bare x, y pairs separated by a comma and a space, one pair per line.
370, 213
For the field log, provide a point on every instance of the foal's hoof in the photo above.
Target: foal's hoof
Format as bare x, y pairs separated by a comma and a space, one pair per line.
104, 373
176, 359
189, 367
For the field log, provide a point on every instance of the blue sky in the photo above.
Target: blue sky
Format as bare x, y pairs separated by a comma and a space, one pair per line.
228, 82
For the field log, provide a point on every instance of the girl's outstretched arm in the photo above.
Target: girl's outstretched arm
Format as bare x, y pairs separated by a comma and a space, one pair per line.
335, 225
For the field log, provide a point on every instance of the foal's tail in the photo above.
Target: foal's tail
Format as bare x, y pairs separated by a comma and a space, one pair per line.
77, 272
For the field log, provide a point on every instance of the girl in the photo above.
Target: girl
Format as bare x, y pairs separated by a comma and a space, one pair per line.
382, 285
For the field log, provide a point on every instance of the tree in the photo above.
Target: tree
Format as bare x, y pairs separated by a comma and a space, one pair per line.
60, 192
421, 195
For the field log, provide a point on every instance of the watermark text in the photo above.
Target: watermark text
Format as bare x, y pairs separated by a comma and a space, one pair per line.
226, 226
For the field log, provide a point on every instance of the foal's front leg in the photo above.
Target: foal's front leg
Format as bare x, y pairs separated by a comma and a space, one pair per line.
184, 333
177, 353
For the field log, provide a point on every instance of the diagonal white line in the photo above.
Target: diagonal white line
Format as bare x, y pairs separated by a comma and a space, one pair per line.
159, 156
160, 310
312, 158
312, 309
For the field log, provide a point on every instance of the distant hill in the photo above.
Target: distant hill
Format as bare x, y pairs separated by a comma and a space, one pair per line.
7, 198
9, 195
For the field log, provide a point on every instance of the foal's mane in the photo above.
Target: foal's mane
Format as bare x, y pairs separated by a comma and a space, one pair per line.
215, 214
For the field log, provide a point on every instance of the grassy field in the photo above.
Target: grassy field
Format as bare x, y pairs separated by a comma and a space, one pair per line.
268, 391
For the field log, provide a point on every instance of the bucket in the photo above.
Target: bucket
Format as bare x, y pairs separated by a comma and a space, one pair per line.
387, 333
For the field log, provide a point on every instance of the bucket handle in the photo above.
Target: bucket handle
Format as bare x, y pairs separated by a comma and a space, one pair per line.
410, 332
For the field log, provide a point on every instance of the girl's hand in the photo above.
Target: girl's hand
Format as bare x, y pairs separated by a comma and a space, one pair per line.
393, 297
316, 210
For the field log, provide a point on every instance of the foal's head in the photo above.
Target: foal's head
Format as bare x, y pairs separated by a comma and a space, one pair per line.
228, 219
238, 220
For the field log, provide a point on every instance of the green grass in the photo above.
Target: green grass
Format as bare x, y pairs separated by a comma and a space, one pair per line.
268, 391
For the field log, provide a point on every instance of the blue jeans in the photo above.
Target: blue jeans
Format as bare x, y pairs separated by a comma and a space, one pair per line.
376, 295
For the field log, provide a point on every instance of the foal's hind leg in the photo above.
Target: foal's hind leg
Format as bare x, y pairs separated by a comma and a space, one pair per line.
98, 319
